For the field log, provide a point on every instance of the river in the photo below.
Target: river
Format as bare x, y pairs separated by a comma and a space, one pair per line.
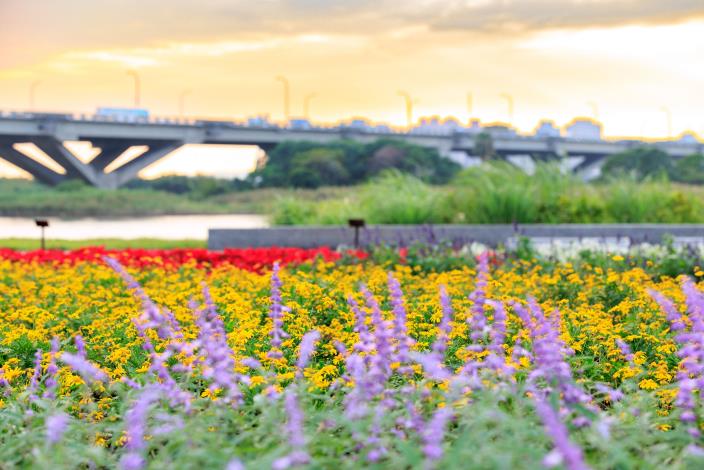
172, 227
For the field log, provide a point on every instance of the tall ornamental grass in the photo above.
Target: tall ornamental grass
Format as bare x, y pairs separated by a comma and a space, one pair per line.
499, 193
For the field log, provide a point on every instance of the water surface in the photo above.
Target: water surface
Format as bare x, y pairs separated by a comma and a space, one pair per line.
172, 227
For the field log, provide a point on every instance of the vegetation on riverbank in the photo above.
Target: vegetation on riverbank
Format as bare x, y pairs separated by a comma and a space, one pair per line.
501, 193
24, 244
25, 198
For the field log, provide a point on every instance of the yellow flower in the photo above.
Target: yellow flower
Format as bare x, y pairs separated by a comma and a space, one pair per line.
648, 384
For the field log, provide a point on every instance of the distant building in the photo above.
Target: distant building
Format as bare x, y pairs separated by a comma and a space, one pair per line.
435, 126
500, 130
547, 129
584, 129
359, 124
299, 124
688, 138
259, 121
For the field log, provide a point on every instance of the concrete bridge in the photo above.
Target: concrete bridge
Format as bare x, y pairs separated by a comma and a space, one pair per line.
162, 136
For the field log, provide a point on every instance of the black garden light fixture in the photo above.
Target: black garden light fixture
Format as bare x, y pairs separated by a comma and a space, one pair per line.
356, 224
42, 224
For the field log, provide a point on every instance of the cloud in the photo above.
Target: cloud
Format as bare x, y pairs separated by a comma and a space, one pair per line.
534, 15
34, 30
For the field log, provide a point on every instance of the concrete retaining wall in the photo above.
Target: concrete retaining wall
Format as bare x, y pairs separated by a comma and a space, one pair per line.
493, 235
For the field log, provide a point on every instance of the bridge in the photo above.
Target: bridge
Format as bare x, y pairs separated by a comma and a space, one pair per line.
49, 131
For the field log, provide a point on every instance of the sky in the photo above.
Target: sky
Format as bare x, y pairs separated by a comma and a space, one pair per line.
626, 62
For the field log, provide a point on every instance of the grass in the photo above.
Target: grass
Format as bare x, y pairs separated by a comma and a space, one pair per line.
25, 244
501, 193
24, 198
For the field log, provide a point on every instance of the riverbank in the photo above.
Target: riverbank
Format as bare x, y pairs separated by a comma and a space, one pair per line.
24, 198
26, 244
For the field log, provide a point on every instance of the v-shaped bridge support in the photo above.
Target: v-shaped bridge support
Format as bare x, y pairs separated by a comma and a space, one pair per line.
92, 172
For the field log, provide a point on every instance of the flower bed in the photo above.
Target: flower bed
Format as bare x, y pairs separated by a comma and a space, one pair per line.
246, 258
499, 365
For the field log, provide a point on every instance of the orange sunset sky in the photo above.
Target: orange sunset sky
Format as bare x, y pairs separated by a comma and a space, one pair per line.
626, 60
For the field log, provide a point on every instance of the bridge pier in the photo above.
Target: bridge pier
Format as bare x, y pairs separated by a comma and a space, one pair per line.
37, 170
93, 172
110, 150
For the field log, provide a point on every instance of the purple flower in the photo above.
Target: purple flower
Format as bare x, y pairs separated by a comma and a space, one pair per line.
235, 464
549, 353
565, 451
625, 350
276, 313
51, 371
56, 425
36, 375
690, 377
307, 349
136, 427
80, 346
440, 344
296, 434
84, 368
400, 330
4, 383
434, 433
215, 354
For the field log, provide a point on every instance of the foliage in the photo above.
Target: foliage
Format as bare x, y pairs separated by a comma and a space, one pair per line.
499, 192
640, 162
310, 165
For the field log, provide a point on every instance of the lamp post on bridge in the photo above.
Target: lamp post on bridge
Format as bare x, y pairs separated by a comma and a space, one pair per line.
287, 96
306, 104
409, 107
32, 92
182, 101
509, 102
135, 75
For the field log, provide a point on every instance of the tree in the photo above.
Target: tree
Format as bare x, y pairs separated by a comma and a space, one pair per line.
689, 169
317, 167
484, 146
641, 162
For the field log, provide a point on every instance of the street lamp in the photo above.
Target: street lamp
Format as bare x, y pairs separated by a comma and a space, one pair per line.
409, 107
668, 116
182, 101
32, 92
306, 104
509, 102
135, 75
42, 224
287, 96
356, 224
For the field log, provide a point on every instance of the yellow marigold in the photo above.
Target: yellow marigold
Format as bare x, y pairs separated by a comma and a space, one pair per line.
639, 357
648, 384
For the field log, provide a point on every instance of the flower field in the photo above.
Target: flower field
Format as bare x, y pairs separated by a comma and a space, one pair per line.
314, 359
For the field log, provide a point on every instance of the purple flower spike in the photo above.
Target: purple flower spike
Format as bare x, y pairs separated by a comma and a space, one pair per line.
84, 368
296, 436
400, 330
565, 451
56, 425
307, 349
51, 371
34, 382
433, 435
80, 346
276, 313
440, 344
